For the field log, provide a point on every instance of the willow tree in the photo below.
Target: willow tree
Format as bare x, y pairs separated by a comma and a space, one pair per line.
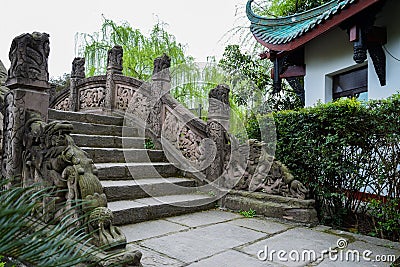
139, 50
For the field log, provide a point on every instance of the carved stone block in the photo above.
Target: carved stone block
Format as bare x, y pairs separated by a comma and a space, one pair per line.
114, 60
92, 98
3, 73
219, 108
28, 55
124, 95
78, 68
17, 103
62, 105
161, 63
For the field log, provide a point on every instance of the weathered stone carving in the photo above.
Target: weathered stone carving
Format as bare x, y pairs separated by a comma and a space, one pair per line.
114, 60
217, 126
219, 108
14, 121
28, 56
92, 98
51, 158
114, 66
3, 73
40, 153
63, 104
190, 145
161, 63
3, 91
125, 94
183, 139
78, 68
131, 258
266, 174
77, 73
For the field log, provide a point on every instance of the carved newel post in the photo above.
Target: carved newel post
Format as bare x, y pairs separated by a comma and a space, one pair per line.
28, 81
217, 127
161, 85
114, 66
77, 73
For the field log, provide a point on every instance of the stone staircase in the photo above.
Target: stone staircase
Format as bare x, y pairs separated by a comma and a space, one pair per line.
144, 187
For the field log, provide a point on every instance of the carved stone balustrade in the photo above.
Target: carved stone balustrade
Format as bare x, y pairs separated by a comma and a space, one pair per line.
44, 154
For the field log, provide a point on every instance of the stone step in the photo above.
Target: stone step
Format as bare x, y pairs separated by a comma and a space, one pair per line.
85, 117
144, 209
84, 140
103, 129
150, 187
126, 171
110, 155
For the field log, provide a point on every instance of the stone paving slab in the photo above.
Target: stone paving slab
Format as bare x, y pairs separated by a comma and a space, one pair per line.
145, 230
264, 226
199, 243
353, 255
151, 258
297, 239
204, 218
219, 238
230, 258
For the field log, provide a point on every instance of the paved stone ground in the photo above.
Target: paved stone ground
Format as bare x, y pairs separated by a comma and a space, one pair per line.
219, 238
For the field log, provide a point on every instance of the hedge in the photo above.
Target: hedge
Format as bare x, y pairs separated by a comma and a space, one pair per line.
342, 148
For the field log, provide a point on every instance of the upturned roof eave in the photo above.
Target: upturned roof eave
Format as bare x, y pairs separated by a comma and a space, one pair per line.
302, 38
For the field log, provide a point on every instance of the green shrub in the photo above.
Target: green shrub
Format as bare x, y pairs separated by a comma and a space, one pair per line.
342, 148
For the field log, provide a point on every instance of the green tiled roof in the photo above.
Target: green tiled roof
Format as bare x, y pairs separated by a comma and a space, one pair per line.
283, 30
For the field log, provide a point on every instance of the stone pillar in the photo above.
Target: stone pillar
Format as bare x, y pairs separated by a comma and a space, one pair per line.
114, 66
77, 73
217, 127
161, 85
28, 81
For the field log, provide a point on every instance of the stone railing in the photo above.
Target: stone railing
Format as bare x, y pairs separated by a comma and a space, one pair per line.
149, 104
44, 154
202, 149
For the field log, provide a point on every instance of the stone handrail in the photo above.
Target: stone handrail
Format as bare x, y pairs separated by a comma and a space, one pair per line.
202, 149
166, 121
45, 155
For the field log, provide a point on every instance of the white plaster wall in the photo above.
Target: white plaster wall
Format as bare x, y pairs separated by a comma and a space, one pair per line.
389, 17
325, 56
332, 53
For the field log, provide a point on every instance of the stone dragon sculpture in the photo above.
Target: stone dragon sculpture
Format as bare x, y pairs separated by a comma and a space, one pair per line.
53, 160
263, 173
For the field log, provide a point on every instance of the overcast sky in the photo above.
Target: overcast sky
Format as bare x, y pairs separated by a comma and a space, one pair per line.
199, 24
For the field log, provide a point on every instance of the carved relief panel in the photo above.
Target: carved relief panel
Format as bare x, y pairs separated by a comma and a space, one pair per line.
183, 138
91, 98
124, 95
63, 104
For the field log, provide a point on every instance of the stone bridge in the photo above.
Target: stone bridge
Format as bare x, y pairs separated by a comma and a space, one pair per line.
88, 140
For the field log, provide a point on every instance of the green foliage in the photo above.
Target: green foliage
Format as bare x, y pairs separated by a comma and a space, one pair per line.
281, 8
259, 98
256, 70
253, 128
25, 238
139, 50
61, 82
387, 217
248, 214
148, 144
342, 148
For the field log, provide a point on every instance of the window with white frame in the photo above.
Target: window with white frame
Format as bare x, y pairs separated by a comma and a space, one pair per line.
353, 83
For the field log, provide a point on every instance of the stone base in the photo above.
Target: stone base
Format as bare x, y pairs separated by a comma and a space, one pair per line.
291, 209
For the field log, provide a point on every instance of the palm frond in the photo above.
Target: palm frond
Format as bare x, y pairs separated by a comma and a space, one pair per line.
24, 236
